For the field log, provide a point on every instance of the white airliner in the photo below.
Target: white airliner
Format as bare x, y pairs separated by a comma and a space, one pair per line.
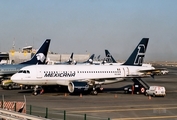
81, 78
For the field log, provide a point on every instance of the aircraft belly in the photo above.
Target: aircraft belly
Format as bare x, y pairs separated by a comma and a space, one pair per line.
63, 82
38, 82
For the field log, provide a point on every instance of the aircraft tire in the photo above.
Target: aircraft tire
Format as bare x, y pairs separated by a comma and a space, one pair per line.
26, 87
94, 92
35, 93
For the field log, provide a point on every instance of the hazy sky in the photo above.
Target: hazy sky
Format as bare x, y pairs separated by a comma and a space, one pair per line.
91, 26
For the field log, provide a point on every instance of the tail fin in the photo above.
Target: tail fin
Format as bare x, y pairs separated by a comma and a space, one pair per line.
98, 58
90, 60
41, 54
109, 58
137, 57
70, 59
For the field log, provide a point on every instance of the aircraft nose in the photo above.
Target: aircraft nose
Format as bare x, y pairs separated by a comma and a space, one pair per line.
15, 78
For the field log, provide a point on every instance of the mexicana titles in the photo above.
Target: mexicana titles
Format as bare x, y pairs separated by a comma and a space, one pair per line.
59, 74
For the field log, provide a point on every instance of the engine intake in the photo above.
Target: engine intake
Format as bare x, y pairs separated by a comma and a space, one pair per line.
78, 87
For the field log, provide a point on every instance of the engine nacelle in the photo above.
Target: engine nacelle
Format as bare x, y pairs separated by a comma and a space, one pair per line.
78, 87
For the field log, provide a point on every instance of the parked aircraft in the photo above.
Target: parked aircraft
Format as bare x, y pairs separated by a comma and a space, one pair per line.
89, 61
98, 58
7, 70
69, 62
109, 60
81, 78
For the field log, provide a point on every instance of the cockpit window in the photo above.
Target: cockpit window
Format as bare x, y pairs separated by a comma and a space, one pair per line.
24, 71
21, 71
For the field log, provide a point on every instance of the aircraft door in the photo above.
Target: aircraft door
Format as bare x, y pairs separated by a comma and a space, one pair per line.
126, 71
39, 73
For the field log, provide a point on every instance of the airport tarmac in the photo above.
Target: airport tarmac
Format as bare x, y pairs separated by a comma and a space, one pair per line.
112, 103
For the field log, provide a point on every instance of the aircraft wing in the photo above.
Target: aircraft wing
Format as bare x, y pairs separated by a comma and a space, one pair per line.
156, 71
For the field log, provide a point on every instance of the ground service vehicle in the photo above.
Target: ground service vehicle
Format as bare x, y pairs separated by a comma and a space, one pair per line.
136, 88
8, 84
156, 91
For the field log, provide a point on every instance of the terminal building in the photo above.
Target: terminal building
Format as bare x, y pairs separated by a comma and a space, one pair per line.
15, 57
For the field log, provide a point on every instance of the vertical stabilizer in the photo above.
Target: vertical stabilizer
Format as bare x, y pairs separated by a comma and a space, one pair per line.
70, 61
41, 54
109, 58
90, 60
137, 57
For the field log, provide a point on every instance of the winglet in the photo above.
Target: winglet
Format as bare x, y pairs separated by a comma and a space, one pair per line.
41, 54
137, 57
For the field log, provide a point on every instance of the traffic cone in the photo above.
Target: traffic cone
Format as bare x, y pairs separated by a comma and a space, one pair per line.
80, 94
65, 94
149, 97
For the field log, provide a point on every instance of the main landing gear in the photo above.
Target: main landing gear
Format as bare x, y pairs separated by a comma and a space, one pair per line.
38, 90
96, 90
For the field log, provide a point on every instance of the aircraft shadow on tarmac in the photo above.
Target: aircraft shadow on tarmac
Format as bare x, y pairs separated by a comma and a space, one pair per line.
65, 90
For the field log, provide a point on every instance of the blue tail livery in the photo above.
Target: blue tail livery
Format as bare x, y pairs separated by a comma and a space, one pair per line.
137, 57
109, 58
41, 54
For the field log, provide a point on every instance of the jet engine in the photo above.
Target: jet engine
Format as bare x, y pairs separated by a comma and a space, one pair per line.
78, 87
